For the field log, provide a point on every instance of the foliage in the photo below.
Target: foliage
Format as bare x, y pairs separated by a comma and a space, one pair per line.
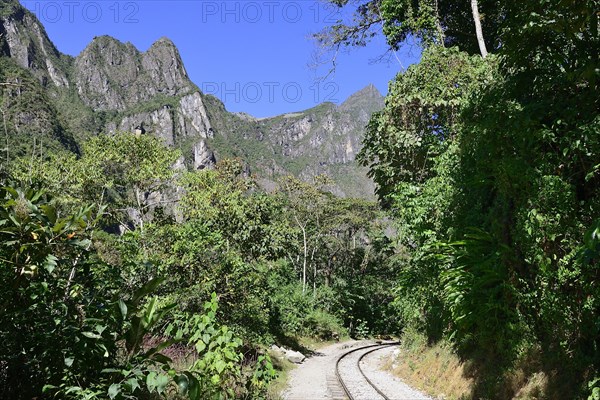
299, 315
52, 297
490, 169
404, 141
120, 172
433, 23
479, 296
29, 122
216, 373
246, 220
67, 326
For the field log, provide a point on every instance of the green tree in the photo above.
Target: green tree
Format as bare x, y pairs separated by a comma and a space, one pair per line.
51, 295
497, 159
129, 175
431, 22
306, 207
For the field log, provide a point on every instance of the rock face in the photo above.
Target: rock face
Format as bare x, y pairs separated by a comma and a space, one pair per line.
32, 73
160, 123
24, 40
150, 88
203, 156
193, 119
322, 140
111, 75
113, 87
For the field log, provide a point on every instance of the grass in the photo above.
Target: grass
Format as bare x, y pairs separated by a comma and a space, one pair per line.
283, 367
438, 371
435, 369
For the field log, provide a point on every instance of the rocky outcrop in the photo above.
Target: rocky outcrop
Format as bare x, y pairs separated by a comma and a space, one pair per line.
159, 123
203, 157
192, 117
111, 75
334, 132
115, 76
363, 103
323, 140
163, 66
24, 39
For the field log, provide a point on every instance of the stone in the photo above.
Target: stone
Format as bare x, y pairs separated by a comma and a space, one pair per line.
294, 356
277, 348
203, 156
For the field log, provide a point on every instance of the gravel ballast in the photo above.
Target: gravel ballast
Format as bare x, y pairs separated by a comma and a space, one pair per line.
315, 379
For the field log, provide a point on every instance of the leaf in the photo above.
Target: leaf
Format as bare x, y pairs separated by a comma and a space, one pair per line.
161, 358
50, 213
193, 387
36, 196
114, 390
148, 288
151, 381
48, 388
182, 382
14, 221
103, 347
206, 338
50, 263
161, 382
200, 346
91, 335
110, 371
220, 366
100, 328
59, 226
123, 308
69, 361
132, 384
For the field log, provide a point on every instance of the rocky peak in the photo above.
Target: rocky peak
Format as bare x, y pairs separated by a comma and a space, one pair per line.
163, 63
368, 99
25, 40
111, 75
153, 88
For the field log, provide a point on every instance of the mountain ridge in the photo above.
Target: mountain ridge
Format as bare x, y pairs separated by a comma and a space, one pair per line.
112, 86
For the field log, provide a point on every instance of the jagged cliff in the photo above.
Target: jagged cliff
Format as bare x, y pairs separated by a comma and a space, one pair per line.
322, 140
25, 41
150, 88
112, 86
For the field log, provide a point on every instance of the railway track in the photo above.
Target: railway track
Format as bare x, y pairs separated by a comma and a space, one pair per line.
351, 377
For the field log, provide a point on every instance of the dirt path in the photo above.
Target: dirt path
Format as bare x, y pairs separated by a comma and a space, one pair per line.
314, 379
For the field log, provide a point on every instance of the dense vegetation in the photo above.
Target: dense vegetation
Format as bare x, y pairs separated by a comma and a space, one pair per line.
126, 276
489, 164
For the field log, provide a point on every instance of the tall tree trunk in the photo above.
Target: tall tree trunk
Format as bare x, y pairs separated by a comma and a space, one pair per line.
478, 30
438, 24
305, 259
314, 264
139, 204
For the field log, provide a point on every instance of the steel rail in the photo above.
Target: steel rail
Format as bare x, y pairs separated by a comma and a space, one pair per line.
378, 346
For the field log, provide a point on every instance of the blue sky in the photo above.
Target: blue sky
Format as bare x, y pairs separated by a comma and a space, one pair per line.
256, 56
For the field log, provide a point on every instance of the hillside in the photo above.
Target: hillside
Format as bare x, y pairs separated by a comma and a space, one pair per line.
112, 86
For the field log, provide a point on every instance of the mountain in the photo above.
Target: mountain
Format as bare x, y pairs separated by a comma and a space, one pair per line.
321, 140
59, 100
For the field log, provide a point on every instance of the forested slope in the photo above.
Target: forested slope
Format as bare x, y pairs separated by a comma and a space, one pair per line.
487, 154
